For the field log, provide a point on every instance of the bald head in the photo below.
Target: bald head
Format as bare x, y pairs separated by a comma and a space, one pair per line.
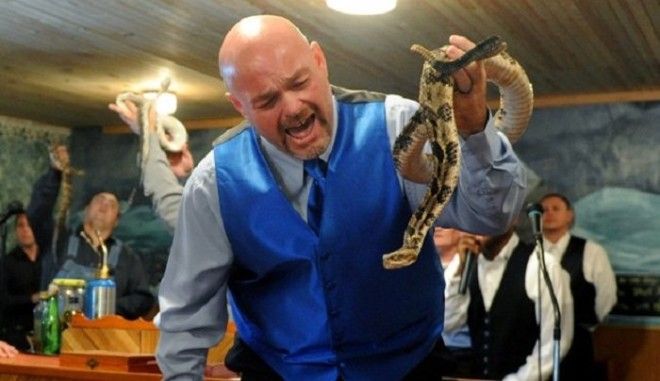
278, 81
257, 38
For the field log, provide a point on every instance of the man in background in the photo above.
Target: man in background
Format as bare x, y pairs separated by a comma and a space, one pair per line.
446, 243
164, 172
593, 283
459, 346
79, 250
19, 291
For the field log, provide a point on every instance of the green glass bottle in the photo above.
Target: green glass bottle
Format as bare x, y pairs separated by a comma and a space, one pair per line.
50, 327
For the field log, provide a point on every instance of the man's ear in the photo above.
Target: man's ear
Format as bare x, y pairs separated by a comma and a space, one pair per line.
319, 57
236, 103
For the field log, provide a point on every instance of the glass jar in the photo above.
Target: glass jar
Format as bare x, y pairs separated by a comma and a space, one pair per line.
70, 297
37, 318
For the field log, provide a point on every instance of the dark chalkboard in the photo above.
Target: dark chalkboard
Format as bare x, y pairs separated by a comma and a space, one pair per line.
638, 295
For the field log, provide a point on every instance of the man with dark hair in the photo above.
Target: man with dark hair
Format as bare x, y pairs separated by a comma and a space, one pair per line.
593, 283
25, 270
19, 288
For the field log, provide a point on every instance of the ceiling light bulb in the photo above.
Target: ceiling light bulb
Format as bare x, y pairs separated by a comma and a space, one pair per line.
166, 102
362, 7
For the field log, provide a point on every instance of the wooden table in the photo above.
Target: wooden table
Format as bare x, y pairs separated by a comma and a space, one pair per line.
25, 367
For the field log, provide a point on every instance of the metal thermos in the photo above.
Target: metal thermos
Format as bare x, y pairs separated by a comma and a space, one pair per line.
99, 298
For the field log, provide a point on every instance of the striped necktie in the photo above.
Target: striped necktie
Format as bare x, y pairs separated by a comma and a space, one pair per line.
315, 168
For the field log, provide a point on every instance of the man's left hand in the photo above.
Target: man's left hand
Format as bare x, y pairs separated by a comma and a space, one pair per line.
469, 90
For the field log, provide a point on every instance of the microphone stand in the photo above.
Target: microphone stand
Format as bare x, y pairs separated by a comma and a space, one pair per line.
556, 334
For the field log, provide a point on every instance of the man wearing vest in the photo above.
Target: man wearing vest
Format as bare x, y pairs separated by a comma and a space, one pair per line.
291, 214
593, 283
500, 308
78, 253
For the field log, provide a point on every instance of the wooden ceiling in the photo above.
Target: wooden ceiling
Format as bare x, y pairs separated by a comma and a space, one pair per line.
63, 61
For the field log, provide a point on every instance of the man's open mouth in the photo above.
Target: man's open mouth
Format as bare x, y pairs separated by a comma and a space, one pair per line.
303, 129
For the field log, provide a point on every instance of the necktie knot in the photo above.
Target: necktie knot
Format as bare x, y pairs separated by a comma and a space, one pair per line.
316, 168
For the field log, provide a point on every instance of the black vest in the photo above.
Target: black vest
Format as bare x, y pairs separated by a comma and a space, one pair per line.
579, 361
505, 336
584, 293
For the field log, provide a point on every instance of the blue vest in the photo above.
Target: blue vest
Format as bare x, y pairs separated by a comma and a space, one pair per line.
315, 307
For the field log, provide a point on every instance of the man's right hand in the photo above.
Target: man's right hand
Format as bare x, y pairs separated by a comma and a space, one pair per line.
468, 243
59, 157
130, 114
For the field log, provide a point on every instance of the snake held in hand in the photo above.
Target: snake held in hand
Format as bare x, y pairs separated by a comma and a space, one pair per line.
434, 122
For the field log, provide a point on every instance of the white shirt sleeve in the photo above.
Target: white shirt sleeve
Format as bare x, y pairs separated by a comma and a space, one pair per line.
598, 271
546, 319
456, 305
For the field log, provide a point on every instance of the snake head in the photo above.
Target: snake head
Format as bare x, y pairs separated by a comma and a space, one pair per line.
438, 58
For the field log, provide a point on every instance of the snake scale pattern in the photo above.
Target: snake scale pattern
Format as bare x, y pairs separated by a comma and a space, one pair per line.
434, 122
65, 194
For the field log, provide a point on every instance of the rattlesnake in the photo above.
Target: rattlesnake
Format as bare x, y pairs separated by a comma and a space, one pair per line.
171, 132
65, 194
434, 121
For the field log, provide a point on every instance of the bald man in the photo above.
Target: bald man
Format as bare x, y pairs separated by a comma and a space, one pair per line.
292, 211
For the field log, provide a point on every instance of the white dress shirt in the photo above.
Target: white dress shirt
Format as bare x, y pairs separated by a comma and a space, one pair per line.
596, 269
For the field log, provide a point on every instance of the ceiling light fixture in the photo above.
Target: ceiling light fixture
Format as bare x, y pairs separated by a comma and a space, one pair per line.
362, 7
166, 101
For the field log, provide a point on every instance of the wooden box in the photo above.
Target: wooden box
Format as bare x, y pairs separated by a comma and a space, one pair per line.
105, 360
118, 335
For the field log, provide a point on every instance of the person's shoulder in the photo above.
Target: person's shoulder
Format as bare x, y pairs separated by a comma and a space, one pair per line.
231, 133
588, 242
15, 253
594, 248
525, 247
345, 95
202, 177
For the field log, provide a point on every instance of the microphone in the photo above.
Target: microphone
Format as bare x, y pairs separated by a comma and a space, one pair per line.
535, 212
14, 207
468, 271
